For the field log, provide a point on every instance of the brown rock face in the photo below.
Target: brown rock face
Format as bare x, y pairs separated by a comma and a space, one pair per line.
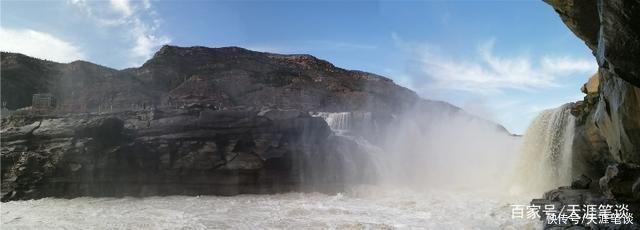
581, 16
607, 140
591, 87
612, 116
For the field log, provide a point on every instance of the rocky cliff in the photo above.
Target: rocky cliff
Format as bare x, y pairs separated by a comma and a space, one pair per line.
228, 77
163, 152
196, 120
78, 86
223, 77
607, 141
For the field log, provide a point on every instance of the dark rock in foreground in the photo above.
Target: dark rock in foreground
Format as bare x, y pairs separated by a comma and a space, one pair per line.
583, 182
564, 198
170, 152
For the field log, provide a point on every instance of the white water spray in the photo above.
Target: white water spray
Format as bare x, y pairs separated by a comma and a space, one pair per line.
545, 161
344, 121
336, 121
343, 124
434, 149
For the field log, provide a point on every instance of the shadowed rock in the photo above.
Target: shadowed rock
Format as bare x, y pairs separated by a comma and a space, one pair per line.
171, 152
607, 140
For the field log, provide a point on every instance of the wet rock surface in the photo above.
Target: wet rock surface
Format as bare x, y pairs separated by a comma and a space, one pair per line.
564, 198
165, 152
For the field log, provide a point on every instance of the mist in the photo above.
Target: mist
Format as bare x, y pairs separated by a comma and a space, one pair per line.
431, 146
447, 150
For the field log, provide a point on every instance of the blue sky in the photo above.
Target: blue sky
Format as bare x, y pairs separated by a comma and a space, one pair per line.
503, 60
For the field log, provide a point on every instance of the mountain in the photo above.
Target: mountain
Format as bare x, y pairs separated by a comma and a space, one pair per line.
79, 86
224, 77
228, 77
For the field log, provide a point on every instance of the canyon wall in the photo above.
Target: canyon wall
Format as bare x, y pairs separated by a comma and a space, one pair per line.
196, 121
607, 140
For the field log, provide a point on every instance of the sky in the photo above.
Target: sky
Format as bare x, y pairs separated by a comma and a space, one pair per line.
502, 60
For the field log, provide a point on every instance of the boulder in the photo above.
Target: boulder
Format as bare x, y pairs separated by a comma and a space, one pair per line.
620, 182
591, 86
582, 182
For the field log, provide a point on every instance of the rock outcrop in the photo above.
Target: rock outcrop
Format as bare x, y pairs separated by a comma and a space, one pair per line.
591, 87
607, 140
164, 152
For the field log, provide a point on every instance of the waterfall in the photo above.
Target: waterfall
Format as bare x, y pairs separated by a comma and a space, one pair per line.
337, 121
348, 126
545, 155
341, 122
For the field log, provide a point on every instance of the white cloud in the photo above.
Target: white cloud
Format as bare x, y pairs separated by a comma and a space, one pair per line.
567, 64
38, 44
485, 72
146, 4
122, 6
136, 19
146, 41
509, 89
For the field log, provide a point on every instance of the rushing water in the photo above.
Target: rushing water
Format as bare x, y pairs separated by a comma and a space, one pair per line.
337, 121
445, 175
545, 158
363, 208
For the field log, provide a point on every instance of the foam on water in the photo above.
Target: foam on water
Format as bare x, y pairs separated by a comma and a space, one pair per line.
363, 207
